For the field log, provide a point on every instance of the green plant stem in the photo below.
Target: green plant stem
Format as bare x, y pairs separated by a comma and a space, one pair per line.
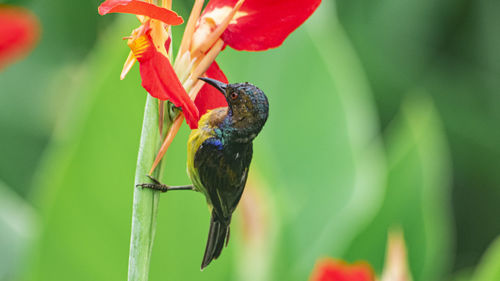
145, 206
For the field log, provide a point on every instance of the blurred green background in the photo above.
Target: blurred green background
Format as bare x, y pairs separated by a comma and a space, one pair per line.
382, 113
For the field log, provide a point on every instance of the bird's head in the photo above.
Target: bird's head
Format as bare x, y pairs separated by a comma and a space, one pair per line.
247, 104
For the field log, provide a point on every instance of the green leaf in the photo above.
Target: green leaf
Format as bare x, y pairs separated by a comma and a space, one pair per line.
397, 41
489, 267
417, 194
18, 228
468, 101
35, 89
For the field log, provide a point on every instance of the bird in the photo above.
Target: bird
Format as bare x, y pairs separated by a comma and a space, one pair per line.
219, 155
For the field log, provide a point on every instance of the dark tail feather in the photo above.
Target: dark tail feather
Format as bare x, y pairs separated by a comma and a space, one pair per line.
216, 236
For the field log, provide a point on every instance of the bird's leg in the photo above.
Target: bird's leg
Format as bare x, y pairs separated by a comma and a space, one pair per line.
156, 185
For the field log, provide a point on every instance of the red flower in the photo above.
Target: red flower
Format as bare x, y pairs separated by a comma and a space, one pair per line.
148, 45
395, 268
258, 24
19, 31
137, 7
251, 25
159, 78
335, 270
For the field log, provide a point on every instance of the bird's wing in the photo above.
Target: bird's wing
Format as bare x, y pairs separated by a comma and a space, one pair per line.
223, 171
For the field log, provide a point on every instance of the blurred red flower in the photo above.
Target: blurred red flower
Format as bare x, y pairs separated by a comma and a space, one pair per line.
395, 269
336, 270
19, 30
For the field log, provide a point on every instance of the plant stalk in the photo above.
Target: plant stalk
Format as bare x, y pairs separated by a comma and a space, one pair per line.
145, 206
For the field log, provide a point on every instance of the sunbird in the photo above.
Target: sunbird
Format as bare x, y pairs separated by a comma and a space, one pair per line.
219, 155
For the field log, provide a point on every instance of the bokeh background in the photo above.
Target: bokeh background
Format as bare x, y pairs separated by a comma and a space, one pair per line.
383, 114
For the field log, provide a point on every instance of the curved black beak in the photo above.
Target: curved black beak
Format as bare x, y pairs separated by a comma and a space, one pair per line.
216, 84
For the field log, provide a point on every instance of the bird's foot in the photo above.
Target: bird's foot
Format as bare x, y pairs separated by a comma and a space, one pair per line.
156, 185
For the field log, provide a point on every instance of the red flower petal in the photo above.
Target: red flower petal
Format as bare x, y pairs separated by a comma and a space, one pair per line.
159, 78
137, 7
335, 270
262, 24
19, 31
167, 43
209, 98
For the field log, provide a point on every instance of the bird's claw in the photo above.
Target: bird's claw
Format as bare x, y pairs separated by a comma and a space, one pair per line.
153, 179
156, 185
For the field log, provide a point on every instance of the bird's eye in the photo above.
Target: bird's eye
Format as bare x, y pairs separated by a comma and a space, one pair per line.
234, 96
